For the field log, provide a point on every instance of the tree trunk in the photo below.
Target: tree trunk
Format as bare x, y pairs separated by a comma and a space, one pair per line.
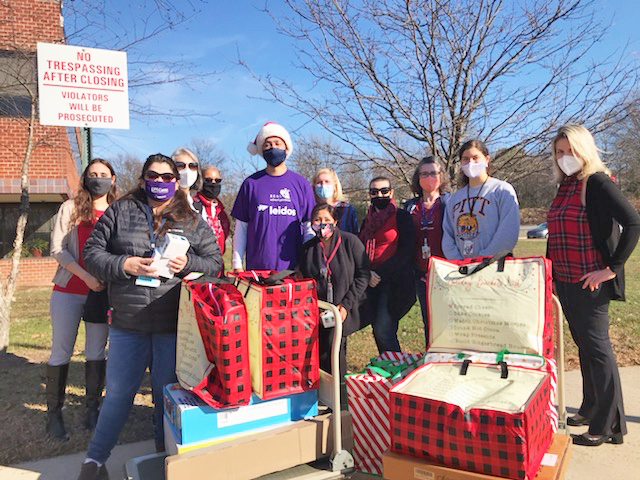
8, 289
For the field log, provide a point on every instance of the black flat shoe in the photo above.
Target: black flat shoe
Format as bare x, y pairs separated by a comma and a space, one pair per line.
578, 420
588, 440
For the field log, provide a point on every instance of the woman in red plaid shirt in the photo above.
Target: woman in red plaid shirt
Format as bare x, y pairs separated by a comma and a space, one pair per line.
592, 231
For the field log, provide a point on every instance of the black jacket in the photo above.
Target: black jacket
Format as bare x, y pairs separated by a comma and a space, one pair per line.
123, 231
398, 271
607, 211
350, 274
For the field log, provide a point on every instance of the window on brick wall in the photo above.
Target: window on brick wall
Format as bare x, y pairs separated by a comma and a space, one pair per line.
17, 80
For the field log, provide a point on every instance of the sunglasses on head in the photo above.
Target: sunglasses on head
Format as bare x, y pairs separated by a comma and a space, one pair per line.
166, 177
384, 191
182, 165
212, 180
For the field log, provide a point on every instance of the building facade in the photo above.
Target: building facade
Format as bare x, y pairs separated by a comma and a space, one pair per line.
54, 164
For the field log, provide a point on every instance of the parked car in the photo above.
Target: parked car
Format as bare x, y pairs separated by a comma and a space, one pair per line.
541, 231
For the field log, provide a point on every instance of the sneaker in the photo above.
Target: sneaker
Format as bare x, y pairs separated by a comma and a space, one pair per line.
91, 471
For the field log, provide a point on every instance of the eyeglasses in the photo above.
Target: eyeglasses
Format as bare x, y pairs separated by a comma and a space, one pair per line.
384, 191
212, 180
182, 166
428, 174
166, 177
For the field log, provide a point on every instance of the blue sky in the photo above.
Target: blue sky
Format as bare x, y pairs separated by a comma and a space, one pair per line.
213, 40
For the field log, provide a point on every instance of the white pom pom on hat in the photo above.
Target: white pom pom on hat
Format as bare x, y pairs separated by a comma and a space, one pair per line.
270, 129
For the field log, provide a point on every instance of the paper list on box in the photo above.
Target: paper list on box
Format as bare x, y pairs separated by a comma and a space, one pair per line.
549, 460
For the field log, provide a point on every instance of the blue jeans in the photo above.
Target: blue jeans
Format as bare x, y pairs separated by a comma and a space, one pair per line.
385, 330
421, 293
130, 353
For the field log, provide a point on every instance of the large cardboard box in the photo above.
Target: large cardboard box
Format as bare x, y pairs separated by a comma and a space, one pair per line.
400, 467
252, 456
195, 421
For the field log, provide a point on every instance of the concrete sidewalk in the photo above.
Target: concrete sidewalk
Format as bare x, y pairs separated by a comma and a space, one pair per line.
605, 461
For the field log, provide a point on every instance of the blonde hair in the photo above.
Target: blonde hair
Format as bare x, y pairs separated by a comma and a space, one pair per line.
338, 196
583, 147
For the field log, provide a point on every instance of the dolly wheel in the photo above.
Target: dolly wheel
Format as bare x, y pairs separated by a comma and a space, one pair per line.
342, 460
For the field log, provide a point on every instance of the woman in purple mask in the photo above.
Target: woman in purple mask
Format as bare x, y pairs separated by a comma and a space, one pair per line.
143, 306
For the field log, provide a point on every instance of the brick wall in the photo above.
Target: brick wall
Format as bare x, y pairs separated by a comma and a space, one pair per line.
34, 271
24, 23
52, 169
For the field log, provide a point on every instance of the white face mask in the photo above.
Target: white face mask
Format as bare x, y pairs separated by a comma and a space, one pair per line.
569, 164
188, 177
474, 169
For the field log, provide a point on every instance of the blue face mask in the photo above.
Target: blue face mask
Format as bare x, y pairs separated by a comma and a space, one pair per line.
274, 156
324, 191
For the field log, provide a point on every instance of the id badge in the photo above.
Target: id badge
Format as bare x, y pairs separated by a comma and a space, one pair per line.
467, 248
148, 282
426, 250
328, 319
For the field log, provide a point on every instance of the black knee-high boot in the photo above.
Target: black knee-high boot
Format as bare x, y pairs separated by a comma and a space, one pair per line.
56, 383
94, 372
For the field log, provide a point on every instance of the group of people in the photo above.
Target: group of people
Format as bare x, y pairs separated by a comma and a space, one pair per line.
372, 272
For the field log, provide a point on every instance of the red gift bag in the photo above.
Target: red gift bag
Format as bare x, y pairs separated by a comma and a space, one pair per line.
283, 332
213, 347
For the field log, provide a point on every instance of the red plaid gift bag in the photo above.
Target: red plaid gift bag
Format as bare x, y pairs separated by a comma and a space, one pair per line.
482, 418
283, 333
368, 396
213, 344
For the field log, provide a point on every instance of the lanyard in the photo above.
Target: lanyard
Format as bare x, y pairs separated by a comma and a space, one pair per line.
426, 221
475, 200
152, 234
327, 261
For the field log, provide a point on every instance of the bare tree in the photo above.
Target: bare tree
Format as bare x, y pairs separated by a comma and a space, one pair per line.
18, 93
209, 153
128, 168
393, 79
621, 147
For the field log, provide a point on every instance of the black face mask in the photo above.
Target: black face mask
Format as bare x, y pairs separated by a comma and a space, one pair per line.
380, 202
97, 186
211, 190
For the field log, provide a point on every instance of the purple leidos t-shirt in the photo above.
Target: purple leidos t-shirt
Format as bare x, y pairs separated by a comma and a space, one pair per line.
273, 207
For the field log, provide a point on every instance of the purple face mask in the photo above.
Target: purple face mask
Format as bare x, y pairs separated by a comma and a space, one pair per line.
159, 191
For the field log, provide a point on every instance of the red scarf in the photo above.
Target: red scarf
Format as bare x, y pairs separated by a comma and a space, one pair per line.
373, 223
218, 220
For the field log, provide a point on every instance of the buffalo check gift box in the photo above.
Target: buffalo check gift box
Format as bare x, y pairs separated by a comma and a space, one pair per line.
283, 333
489, 419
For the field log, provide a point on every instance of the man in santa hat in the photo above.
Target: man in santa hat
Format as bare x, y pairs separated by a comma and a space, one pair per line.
273, 207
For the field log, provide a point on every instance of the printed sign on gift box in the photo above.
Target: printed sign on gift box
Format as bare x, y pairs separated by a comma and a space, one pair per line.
283, 333
507, 305
368, 396
481, 418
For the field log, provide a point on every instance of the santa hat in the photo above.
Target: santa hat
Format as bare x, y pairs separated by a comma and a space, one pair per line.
270, 129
